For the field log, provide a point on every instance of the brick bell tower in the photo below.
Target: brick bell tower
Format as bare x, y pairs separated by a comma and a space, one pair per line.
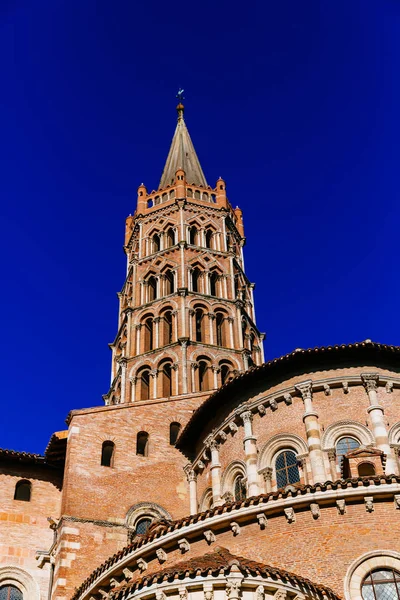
186, 310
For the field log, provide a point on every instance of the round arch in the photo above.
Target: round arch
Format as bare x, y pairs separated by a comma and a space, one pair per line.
281, 441
360, 568
22, 580
346, 429
235, 468
394, 434
144, 509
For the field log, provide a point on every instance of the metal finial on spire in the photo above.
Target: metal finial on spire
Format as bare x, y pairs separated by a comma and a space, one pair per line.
180, 95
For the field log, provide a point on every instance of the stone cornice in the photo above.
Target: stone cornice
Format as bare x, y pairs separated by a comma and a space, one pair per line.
275, 504
269, 401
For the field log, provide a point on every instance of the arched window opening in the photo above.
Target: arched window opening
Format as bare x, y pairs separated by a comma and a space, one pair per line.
170, 238
167, 328
345, 445
209, 238
204, 370
199, 318
166, 374
142, 525
213, 283
381, 584
142, 443
148, 334
10, 592
23, 491
226, 373
286, 468
156, 242
220, 325
239, 488
174, 430
152, 288
250, 361
145, 385
252, 341
189, 193
169, 283
366, 469
107, 454
194, 236
196, 274
197, 194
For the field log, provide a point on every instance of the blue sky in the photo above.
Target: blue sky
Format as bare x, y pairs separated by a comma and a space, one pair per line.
295, 104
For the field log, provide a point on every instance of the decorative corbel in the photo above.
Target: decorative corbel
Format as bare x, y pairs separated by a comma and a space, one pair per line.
389, 387
341, 506
233, 427
183, 545
142, 564
288, 399
290, 514
369, 503
262, 520
128, 574
397, 501
327, 389
315, 511
260, 593
210, 536
261, 410
273, 404
161, 555
345, 385
235, 528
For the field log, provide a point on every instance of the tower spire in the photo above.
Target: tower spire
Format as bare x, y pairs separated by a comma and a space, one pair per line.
182, 154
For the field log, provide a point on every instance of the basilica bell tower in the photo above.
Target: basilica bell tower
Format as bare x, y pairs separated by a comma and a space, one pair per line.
186, 308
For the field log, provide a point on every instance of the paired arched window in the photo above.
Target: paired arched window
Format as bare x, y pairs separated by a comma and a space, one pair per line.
381, 584
151, 288
286, 468
199, 324
209, 238
167, 322
144, 383
196, 278
239, 488
107, 454
142, 443
194, 236
226, 372
170, 238
174, 430
10, 592
345, 445
166, 378
213, 283
148, 334
220, 322
156, 242
204, 375
23, 490
169, 286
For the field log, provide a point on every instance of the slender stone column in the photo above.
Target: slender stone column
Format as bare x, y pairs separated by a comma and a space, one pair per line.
267, 475
232, 340
133, 381
140, 239
156, 321
211, 326
195, 365
376, 412
215, 370
192, 479
302, 458
184, 342
239, 324
250, 451
191, 316
123, 380
212, 445
310, 419
128, 332
332, 463
137, 329
153, 374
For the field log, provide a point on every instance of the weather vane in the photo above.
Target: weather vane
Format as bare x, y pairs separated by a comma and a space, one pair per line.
180, 95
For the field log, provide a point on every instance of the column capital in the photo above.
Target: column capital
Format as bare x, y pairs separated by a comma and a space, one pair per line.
370, 381
211, 443
305, 389
246, 416
154, 372
190, 472
266, 473
331, 453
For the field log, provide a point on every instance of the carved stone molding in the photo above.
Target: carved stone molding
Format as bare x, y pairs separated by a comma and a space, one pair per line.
290, 515
262, 520
369, 503
210, 536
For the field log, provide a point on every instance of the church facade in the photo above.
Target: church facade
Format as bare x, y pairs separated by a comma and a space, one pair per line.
209, 474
